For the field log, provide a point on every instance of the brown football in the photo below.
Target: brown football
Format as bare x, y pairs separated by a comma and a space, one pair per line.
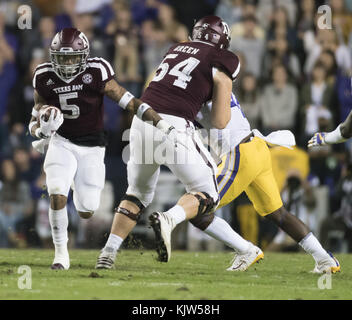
45, 112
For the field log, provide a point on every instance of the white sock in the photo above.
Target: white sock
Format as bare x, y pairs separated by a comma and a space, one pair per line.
178, 213
113, 244
59, 222
311, 245
222, 231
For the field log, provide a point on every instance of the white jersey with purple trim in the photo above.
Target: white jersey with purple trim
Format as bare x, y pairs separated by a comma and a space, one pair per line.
225, 140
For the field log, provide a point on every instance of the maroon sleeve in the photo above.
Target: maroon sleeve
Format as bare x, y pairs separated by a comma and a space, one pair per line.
38, 74
104, 70
227, 61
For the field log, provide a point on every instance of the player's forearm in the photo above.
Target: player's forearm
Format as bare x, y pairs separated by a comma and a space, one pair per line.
127, 101
143, 111
221, 111
33, 124
335, 136
346, 127
342, 133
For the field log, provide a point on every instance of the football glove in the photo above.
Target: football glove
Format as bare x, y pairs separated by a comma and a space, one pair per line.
47, 128
171, 133
317, 140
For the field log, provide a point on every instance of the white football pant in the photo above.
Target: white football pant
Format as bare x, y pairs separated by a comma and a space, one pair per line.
66, 163
193, 165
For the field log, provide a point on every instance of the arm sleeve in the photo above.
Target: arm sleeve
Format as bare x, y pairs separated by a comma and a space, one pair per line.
226, 61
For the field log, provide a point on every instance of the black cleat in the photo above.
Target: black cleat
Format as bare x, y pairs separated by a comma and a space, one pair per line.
57, 266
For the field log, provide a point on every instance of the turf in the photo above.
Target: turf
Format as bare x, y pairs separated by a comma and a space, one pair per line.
188, 275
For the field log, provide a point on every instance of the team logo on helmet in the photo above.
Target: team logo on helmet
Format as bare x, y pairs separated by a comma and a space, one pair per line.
226, 28
87, 78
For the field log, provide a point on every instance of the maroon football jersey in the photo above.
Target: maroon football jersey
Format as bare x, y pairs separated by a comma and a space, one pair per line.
184, 79
80, 99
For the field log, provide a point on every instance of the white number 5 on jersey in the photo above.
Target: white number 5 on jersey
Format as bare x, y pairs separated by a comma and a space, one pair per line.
71, 107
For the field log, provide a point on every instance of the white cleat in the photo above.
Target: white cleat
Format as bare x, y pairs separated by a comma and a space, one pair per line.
106, 260
61, 261
162, 225
241, 262
329, 265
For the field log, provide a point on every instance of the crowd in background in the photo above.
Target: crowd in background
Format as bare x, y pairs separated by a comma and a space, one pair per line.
294, 75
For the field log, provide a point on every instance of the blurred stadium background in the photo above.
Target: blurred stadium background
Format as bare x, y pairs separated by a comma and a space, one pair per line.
294, 76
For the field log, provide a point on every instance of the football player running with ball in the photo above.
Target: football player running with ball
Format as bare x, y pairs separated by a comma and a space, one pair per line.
76, 84
190, 74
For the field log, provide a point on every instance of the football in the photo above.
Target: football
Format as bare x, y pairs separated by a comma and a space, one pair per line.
45, 112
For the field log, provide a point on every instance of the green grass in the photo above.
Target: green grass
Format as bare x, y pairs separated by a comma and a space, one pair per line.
188, 275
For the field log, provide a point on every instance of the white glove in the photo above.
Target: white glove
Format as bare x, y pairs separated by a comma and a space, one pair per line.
171, 133
317, 140
47, 128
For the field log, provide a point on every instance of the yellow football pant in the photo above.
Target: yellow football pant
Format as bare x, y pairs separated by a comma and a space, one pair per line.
248, 168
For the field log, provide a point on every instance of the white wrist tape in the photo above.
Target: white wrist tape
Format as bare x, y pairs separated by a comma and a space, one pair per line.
35, 113
31, 124
334, 136
164, 126
125, 99
141, 109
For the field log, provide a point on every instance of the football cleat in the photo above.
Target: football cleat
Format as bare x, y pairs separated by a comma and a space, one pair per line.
241, 262
162, 225
57, 266
61, 261
329, 265
106, 260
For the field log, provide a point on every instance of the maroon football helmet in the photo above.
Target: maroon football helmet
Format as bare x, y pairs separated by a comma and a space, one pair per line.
69, 51
212, 29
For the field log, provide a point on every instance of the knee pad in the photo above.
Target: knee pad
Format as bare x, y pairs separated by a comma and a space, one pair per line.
206, 204
203, 219
129, 214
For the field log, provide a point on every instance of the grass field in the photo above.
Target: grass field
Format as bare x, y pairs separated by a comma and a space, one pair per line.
188, 275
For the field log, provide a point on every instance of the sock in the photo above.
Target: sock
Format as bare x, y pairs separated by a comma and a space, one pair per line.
311, 245
178, 213
113, 244
222, 231
59, 222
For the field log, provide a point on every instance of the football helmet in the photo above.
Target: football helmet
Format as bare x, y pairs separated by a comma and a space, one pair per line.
69, 51
212, 29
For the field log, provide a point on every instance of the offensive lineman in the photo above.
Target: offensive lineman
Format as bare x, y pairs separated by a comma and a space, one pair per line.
76, 84
246, 166
190, 74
